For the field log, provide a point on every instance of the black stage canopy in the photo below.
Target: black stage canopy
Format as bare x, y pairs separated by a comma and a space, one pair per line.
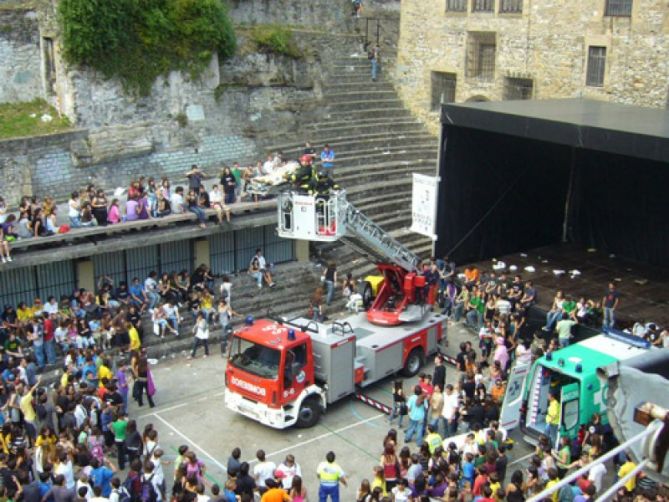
522, 174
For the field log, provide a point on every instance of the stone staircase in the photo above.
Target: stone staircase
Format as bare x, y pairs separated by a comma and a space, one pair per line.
378, 144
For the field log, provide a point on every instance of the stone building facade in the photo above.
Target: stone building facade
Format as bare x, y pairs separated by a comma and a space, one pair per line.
479, 50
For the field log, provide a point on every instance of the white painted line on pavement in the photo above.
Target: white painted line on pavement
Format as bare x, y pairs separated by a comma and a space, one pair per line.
519, 460
176, 406
323, 436
191, 442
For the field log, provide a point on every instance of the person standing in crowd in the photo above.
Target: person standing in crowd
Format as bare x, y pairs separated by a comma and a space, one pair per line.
610, 304
201, 335
195, 176
327, 160
330, 277
552, 418
330, 476
375, 58
417, 409
229, 185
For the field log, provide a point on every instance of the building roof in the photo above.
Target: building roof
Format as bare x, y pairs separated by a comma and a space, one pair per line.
581, 123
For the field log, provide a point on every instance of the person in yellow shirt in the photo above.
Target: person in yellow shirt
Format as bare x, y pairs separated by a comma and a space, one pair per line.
135, 342
28, 410
552, 418
24, 313
379, 481
624, 470
104, 371
552, 481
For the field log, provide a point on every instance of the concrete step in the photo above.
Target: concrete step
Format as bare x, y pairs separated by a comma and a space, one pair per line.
378, 112
348, 121
341, 144
395, 153
325, 129
367, 94
345, 106
320, 136
361, 84
373, 173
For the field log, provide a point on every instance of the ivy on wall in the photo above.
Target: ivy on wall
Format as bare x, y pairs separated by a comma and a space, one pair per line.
139, 40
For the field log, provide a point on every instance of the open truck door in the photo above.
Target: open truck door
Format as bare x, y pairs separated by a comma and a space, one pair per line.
513, 398
569, 409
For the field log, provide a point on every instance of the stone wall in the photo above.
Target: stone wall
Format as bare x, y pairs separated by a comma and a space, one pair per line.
20, 72
52, 165
547, 43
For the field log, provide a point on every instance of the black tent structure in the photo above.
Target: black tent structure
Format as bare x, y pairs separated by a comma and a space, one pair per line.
517, 175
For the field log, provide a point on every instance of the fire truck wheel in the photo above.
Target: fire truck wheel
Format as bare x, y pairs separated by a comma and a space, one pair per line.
367, 293
310, 412
413, 363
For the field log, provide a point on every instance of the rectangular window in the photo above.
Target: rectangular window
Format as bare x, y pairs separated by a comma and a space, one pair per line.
483, 5
622, 8
596, 66
456, 5
511, 6
481, 49
443, 89
518, 88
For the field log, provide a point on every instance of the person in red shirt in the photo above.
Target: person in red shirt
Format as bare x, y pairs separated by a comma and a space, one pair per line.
480, 480
425, 384
49, 338
487, 495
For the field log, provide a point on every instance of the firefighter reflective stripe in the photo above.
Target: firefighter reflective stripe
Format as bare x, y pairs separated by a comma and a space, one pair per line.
433, 440
329, 473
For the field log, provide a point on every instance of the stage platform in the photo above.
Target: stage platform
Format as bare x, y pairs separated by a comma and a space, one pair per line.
644, 289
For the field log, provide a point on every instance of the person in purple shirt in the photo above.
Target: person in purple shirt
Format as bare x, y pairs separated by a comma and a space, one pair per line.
131, 213
122, 383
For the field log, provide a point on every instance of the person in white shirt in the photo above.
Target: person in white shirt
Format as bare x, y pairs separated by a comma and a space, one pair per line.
201, 331
596, 475
401, 492
177, 201
172, 315
64, 467
450, 409
226, 290
263, 470
289, 469
51, 306
218, 205
74, 210
151, 289
158, 473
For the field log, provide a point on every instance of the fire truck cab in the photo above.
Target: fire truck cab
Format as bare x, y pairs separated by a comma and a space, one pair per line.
286, 372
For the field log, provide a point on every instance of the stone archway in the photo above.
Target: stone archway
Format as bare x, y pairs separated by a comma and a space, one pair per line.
478, 98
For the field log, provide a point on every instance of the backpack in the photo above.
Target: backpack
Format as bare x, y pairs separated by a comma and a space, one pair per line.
123, 495
148, 492
132, 486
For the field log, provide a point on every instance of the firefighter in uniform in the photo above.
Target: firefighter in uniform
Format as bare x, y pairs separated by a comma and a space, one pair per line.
303, 175
433, 439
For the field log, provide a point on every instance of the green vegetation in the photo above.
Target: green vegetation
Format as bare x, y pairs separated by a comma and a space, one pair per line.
275, 39
25, 119
139, 40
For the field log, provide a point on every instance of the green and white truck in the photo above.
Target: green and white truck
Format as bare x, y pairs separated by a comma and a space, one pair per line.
571, 374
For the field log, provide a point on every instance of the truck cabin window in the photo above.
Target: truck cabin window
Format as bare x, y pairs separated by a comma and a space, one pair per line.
296, 358
256, 359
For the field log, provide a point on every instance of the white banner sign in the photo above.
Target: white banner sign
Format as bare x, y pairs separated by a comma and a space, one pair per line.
424, 205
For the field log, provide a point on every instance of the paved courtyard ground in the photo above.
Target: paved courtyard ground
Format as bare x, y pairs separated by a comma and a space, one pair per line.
190, 410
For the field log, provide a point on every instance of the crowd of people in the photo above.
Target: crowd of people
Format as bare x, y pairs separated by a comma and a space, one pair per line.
144, 199
112, 316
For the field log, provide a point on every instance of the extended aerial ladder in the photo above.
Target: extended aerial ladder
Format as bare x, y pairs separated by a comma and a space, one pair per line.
404, 295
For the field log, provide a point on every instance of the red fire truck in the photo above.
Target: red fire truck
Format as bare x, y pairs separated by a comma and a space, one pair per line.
286, 372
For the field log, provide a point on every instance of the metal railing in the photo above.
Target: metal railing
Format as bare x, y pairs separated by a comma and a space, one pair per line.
483, 5
621, 8
456, 5
653, 428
